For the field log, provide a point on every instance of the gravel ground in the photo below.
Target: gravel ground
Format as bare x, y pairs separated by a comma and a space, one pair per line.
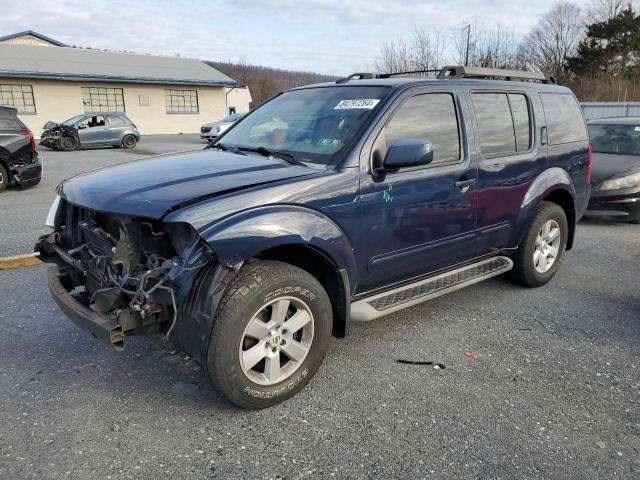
553, 393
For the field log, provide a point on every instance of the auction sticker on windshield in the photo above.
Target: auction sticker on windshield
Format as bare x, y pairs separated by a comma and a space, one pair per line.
366, 103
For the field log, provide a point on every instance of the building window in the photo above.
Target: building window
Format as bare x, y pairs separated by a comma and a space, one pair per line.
19, 96
98, 99
181, 101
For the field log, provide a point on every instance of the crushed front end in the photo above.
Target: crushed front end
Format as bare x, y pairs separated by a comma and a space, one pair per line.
117, 275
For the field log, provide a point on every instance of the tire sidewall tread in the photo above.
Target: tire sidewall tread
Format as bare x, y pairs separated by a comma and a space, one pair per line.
244, 296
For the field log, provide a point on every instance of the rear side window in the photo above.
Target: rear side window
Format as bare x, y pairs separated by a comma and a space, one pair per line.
432, 117
113, 120
504, 123
565, 123
9, 120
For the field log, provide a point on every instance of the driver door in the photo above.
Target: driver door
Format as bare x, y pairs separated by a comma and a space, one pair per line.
94, 131
419, 219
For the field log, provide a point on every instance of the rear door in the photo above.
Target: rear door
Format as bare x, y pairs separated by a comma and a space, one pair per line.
509, 159
419, 220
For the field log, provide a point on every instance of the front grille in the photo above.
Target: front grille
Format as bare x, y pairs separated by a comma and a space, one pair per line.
205, 129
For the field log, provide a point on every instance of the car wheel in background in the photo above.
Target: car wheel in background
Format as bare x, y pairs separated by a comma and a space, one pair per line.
129, 141
539, 256
66, 144
4, 179
270, 336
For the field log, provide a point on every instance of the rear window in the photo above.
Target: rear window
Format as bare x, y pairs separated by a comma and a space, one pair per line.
113, 120
504, 123
565, 123
8, 119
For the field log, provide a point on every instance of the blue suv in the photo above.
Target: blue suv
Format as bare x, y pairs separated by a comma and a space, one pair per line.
330, 203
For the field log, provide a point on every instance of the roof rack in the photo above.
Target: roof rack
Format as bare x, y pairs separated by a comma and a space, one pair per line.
461, 72
476, 72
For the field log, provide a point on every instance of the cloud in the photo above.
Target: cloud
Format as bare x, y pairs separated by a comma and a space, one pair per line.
328, 36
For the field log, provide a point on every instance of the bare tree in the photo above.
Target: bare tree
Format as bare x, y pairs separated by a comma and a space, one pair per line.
490, 48
424, 51
554, 38
603, 10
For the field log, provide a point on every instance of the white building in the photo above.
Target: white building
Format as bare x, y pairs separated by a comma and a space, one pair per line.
47, 80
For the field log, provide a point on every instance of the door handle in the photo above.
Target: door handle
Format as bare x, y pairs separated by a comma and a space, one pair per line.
464, 185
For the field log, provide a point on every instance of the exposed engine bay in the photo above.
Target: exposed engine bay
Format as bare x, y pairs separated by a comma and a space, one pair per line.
130, 270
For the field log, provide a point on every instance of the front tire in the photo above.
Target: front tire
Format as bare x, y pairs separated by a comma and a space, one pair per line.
541, 253
66, 144
270, 336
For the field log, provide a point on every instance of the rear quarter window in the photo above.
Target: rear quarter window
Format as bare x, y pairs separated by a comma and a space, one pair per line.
565, 123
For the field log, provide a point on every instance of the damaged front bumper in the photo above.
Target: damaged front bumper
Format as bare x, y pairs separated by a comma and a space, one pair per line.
125, 279
74, 306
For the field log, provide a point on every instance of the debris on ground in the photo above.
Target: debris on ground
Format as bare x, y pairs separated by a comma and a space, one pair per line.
436, 366
471, 355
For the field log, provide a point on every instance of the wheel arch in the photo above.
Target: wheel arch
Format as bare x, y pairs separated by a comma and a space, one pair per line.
296, 235
553, 185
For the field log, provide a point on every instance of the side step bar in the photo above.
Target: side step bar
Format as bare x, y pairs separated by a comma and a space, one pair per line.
403, 297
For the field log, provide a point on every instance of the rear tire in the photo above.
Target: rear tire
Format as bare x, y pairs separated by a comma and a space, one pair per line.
67, 144
4, 178
270, 336
129, 141
541, 253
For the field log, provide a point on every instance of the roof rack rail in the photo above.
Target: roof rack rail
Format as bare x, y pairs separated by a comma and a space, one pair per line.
359, 76
476, 72
409, 72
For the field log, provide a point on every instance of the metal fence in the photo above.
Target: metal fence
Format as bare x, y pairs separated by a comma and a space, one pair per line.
610, 109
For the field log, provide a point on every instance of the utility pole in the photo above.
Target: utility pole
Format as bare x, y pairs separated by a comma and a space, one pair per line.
466, 55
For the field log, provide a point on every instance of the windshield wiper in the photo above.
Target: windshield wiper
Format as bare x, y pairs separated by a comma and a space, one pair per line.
225, 148
265, 152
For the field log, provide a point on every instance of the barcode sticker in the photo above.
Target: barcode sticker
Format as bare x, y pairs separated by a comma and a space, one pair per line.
363, 103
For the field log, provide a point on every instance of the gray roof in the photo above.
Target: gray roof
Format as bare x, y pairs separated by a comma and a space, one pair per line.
62, 63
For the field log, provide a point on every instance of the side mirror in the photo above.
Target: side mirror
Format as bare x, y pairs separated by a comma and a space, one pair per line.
406, 152
82, 126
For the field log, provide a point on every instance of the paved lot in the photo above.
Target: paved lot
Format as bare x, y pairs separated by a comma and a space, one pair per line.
558, 372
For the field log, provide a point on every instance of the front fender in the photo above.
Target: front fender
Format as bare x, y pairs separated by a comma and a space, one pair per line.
248, 233
551, 180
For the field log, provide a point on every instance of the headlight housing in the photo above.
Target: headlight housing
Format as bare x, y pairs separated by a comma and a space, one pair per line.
53, 212
628, 181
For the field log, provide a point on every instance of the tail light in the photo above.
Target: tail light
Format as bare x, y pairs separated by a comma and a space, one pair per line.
589, 164
32, 140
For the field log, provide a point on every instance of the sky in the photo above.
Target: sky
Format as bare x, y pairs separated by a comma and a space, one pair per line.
325, 36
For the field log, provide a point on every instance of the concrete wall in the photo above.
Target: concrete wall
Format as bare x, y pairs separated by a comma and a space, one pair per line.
59, 100
610, 109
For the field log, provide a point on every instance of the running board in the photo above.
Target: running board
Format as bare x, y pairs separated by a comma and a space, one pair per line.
403, 297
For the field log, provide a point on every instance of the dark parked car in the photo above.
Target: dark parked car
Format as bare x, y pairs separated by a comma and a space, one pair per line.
330, 203
616, 169
19, 162
212, 130
91, 130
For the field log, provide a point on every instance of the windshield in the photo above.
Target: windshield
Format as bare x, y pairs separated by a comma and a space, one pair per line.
72, 120
231, 118
618, 139
314, 125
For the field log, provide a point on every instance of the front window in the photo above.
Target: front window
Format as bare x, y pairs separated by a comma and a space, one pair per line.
618, 139
315, 125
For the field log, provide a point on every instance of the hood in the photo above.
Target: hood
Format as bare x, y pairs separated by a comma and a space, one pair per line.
610, 165
152, 187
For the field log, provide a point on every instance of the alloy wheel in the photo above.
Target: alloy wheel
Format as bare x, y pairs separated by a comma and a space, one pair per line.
547, 246
276, 340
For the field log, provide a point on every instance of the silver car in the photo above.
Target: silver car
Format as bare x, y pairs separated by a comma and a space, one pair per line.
91, 130
209, 131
